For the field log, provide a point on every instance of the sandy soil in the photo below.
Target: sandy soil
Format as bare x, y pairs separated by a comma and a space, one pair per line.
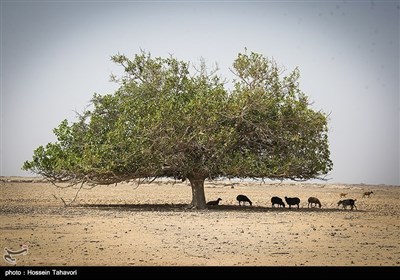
127, 225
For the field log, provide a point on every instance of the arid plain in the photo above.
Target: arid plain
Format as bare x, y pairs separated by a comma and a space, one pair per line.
148, 225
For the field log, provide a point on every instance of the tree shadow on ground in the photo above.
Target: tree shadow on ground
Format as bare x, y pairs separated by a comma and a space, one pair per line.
227, 208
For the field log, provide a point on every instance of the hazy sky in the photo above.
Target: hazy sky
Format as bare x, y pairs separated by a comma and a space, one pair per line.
56, 54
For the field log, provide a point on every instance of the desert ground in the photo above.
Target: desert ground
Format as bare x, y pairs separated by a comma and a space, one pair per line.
149, 225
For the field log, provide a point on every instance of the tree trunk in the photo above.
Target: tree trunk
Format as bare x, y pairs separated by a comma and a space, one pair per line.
198, 196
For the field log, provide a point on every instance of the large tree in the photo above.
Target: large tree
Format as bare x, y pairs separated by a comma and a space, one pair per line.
168, 119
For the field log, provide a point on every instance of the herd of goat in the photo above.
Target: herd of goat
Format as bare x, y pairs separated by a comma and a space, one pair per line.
293, 201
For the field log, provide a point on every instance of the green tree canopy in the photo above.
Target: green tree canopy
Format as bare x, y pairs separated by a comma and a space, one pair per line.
167, 121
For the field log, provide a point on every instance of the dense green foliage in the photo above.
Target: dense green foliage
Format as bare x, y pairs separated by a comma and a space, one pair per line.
165, 120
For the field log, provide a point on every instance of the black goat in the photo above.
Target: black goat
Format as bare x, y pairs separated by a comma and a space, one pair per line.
292, 201
348, 202
214, 202
242, 198
277, 200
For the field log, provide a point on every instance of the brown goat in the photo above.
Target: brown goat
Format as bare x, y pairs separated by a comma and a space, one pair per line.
367, 194
315, 201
